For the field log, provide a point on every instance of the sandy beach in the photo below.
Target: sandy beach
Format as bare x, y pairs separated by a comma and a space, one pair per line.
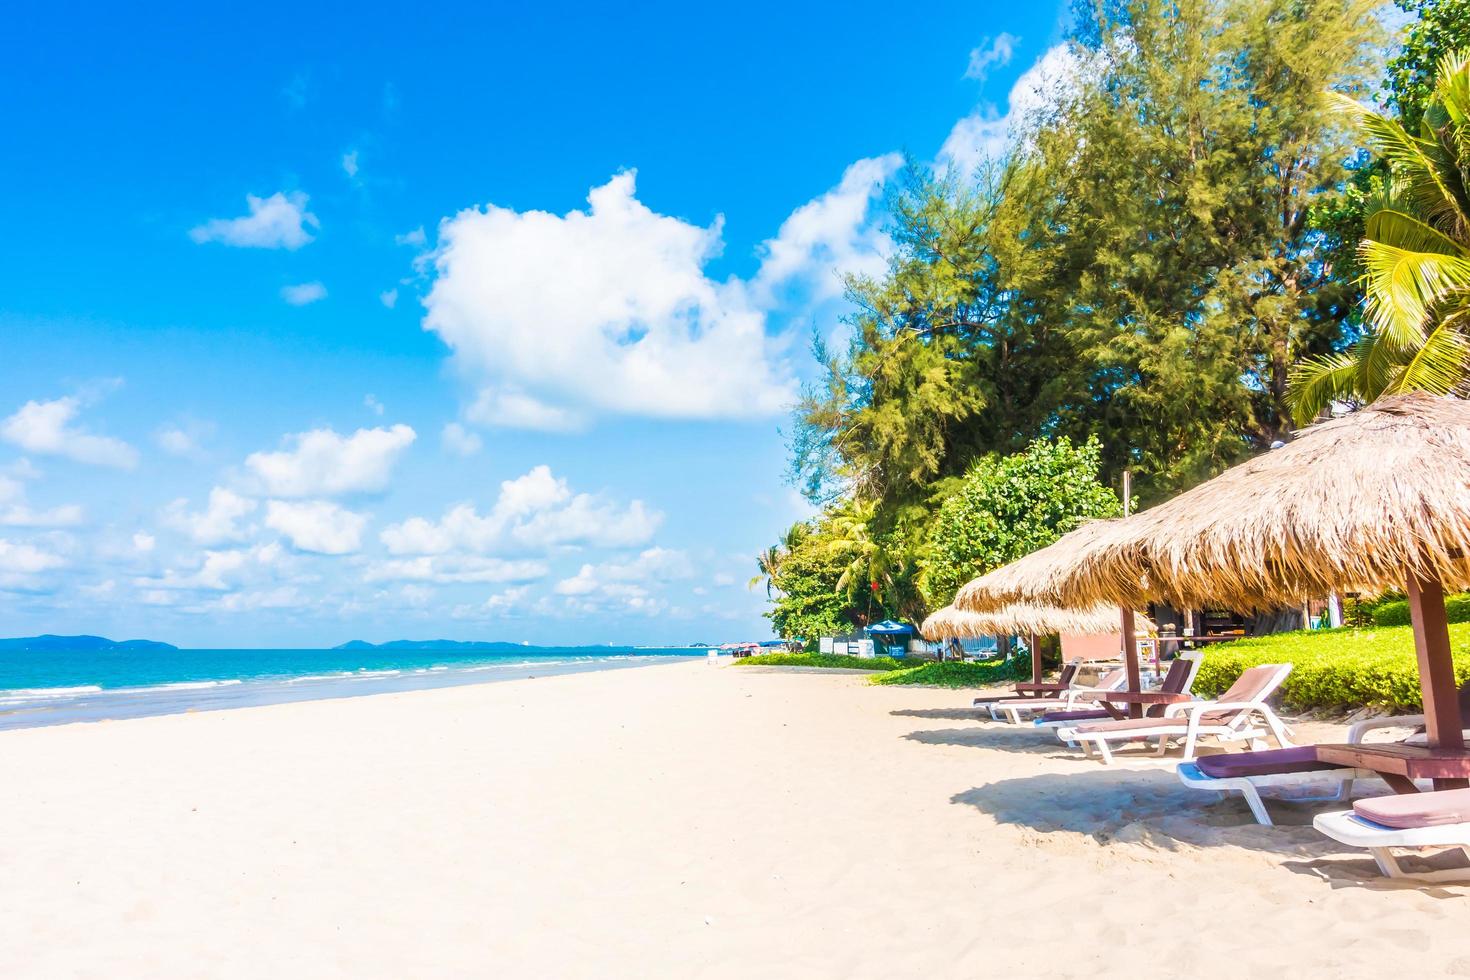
668, 821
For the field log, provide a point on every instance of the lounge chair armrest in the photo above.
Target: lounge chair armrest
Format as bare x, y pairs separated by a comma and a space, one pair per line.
1356, 732
1196, 708
1188, 708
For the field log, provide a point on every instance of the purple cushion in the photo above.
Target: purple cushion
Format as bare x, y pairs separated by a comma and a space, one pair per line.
1074, 715
1269, 762
1417, 809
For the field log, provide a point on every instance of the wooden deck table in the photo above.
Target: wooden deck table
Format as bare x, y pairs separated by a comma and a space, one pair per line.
1400, 765
1033, 689
1119, 703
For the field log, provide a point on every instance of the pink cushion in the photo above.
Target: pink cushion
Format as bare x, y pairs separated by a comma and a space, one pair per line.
1417, 809
1267, 762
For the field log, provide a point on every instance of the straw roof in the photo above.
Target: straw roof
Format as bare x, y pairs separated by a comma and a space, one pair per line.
1351, 504
1020, 619
1038, 576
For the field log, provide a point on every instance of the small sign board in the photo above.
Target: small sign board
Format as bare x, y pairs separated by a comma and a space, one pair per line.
824, 645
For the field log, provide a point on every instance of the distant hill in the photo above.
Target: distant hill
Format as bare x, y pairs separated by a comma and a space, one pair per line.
50, 641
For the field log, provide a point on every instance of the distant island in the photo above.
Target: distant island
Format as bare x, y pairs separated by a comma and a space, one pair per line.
50, 641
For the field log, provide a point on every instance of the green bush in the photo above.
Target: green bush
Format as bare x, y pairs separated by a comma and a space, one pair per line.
1456, 607
1342, 668
986, 673
823, 660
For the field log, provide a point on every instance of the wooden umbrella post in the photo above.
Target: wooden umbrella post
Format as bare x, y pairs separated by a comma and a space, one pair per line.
1035, 660
1130, 660
1436, 667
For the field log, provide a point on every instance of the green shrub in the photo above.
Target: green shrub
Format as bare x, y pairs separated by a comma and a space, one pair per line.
823, 660
1456, 607
1342, 668
985, 673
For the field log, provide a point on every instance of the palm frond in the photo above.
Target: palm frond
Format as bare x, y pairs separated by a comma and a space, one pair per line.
1400, 285
1314, 384
1439, 365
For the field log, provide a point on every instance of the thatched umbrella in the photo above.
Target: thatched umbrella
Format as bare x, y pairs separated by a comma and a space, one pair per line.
1376, 499
1021, 619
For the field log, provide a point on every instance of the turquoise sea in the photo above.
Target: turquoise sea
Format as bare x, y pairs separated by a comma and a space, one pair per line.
50, 687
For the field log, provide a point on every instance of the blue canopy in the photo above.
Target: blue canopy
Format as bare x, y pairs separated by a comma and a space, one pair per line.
889, 628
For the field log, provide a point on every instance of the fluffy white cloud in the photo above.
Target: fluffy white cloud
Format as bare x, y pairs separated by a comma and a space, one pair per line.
218, 523
317, 525
607, 309
303, 293
20, 558
537, 510
454, 568
389, 298
218, 571
46, 428
622, 579
413, 239
16, 512
461, 441
991, 53
322, 463
986, 135
143, 541
507, 602
278, 221
349, 162
827, 237
185, 439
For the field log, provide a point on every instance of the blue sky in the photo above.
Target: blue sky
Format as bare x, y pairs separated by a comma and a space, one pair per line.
480, 324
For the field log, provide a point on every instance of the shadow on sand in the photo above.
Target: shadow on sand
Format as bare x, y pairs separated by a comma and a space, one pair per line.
941, 714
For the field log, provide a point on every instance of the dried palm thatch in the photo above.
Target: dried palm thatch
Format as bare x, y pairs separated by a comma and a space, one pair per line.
1020, 619
1356, 503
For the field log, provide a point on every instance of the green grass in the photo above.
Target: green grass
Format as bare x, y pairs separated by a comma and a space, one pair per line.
1335, 669
823, 660
955, 674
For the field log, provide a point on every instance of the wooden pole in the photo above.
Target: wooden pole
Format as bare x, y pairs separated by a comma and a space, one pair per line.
1130, 638
1035, 659
1436, 668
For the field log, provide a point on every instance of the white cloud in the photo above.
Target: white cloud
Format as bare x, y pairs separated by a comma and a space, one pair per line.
534, 511
389, 298
607, 309
317, 525
415, 238
278, 221
46, 427
184, 439
218, 571
304, 293
143, 541
321, 463
615, 578
454, 568
349, 161
18, 558
991, 53
16, 512
280, 597
504, 603
218, 523
829, 236
986, 135
461, 441
371, 403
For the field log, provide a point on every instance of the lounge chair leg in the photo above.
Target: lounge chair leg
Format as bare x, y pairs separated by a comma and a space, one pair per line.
1388, 865
1257, 805
1105, 752
1189, 744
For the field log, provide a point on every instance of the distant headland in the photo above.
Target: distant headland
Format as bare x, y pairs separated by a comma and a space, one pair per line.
50, 641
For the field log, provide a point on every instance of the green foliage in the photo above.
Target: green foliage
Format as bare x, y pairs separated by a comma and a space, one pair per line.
821, 576
1439, 27
1007, 507
823, 660
985, 673
1456, 607
1337, 669
1416, 258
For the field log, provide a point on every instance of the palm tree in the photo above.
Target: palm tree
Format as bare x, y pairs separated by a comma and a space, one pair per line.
1416, 253
769, 561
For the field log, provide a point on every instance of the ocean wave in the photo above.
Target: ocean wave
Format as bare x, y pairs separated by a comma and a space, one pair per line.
187, 685
45, 693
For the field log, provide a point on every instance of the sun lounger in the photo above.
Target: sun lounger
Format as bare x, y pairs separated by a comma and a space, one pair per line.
1241, 714
1063, 682
1378, 824
1179, 679
1247, 773
1014, 709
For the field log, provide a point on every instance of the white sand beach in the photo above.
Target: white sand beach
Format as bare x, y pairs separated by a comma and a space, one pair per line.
668, 821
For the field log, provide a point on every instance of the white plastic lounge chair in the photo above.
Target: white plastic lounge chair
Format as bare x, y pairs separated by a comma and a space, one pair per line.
1436, 819
1248, 773
1240, 715
1063, 683
1016, 709
1178, 680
